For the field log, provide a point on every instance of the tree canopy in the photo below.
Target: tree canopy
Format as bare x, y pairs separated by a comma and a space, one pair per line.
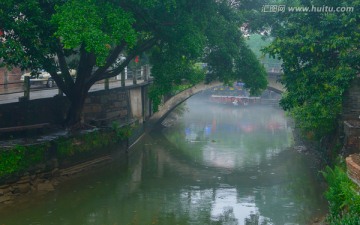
320, 54
90, 35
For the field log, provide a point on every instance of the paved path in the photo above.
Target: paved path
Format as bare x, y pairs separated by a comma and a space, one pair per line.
39, 92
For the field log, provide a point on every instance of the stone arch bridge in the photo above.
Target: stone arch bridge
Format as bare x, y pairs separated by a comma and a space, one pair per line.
176, 100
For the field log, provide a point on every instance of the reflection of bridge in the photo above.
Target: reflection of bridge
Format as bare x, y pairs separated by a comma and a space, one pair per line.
195, 172
270, 185
170, 104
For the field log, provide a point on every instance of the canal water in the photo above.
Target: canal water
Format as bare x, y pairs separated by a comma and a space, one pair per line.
208, 165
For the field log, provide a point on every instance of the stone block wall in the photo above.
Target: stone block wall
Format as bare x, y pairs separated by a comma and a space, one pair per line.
10, 79
351, 103
103, 106
351, 117
352, 135
353, 167
10, 76
47, 110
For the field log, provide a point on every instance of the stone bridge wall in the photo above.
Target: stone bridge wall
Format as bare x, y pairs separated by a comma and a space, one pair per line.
47, 110
274, 84
100, 108
104, 106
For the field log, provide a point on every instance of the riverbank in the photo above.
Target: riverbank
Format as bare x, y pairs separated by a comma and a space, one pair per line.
339, 171
39, 163
319, 160
45, 182
214, 165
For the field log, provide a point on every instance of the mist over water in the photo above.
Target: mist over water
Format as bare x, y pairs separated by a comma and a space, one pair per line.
210, 164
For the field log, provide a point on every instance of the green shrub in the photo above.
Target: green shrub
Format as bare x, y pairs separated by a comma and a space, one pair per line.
346, 219
85, 143
122, 132
18, 159
343, 196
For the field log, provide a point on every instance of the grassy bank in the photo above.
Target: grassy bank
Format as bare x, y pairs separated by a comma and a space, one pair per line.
20, 160
343, 197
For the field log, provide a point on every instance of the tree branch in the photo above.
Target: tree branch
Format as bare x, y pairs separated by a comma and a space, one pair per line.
68, 81
110, 60
86, 65
142, 48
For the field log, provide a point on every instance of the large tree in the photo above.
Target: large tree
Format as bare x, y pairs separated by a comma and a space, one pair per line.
321, 55
175, 33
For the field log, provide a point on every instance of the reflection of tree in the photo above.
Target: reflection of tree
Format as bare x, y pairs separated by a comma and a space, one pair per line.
262, 139
228, 217
290, 201
263, 146
254, 219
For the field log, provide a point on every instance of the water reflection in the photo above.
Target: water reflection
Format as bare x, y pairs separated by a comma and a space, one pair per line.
213, 166
248, 149
231, 137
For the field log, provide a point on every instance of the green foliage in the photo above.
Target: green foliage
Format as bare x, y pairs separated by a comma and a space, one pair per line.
90, 35
10, 160
258, 42
84, 144
121, 132
174, 80
96, 24
251, 72
27, 41
19, 158
318, 51
343, 196
347, 219
209, 34
229, 58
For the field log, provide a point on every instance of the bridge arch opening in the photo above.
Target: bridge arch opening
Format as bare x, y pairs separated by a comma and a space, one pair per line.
173, 102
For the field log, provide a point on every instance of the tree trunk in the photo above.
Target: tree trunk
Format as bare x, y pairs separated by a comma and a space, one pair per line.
74, 115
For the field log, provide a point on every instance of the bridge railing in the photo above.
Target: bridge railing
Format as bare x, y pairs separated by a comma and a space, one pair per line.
273, 67
14, 89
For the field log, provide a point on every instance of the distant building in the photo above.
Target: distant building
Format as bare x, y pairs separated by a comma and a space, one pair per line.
10, 78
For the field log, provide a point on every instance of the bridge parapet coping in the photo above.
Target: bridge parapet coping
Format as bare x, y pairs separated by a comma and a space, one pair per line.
174, 101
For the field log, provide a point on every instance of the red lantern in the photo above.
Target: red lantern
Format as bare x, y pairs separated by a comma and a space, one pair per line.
1, 33
136, 59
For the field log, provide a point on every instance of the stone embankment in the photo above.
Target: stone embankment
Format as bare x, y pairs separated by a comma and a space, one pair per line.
44, 182
352, 145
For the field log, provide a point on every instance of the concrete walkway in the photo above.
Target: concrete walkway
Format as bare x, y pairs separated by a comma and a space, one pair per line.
37, 92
